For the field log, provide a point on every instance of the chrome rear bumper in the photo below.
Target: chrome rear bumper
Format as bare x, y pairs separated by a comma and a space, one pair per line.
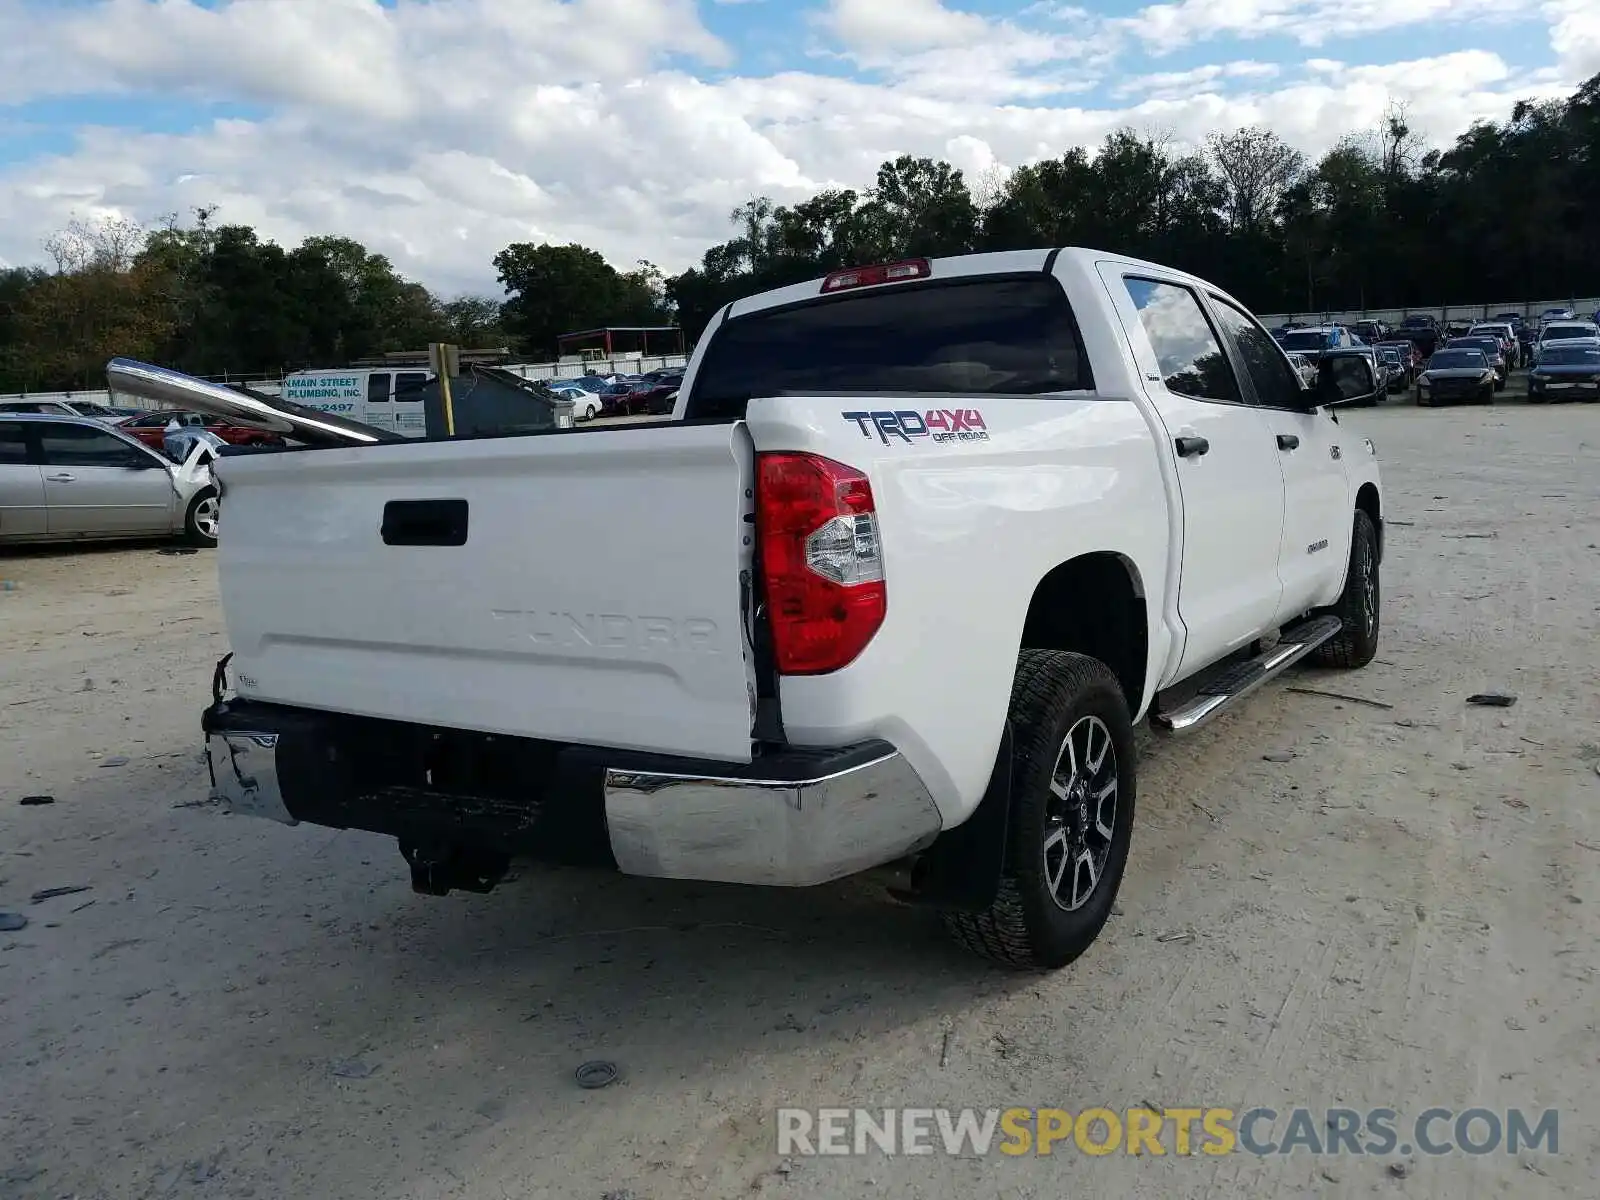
796, 816
784, 832
244, 774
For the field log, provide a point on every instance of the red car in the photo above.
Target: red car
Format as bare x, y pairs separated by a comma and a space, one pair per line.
151, 428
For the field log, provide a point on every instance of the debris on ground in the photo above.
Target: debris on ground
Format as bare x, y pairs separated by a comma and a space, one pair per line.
34, 801
116, 760
11, 922
1306, 691
52, 893
596, 1074
351, 1068
1492, 699
178, 550
1279, 756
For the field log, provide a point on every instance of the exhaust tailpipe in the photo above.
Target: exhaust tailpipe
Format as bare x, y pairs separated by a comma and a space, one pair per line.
311, 426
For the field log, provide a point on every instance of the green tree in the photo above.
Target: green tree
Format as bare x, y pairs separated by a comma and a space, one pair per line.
563, 289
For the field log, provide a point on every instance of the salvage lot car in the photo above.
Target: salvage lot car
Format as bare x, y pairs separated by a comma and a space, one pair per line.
1566, 372
1460, 374
800, 734
74, 478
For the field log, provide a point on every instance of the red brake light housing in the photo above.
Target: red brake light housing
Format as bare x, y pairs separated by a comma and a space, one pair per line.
821, 562
895, 272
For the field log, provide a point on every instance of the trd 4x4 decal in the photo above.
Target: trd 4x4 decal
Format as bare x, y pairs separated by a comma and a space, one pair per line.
940, 424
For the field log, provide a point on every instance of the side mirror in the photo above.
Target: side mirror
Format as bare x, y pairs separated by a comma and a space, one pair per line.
1345, 379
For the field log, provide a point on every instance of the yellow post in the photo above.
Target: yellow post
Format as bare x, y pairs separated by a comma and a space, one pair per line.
442, 359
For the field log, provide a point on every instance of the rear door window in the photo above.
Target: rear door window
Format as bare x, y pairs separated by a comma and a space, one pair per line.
990, 335
1186, 348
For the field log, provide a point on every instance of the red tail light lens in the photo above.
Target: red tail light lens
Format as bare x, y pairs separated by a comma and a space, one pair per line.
895, 272
820, 561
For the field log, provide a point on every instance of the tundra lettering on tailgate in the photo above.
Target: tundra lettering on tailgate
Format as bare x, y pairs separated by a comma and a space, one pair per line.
609, 631
940, 424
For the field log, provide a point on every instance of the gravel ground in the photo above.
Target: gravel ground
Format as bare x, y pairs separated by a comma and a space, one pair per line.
1404, 913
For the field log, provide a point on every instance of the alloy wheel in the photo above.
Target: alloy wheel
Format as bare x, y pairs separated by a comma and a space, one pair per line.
206, 515
1081, 814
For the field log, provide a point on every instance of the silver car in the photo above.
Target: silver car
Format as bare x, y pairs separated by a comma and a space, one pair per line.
69, 408
69, 478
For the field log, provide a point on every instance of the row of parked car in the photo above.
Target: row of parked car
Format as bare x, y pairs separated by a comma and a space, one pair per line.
1441, 361
620, 395
150, 428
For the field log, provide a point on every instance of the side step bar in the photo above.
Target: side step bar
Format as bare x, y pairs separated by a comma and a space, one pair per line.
1239, 681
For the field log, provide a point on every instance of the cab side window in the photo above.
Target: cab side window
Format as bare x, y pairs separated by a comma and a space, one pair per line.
1274, 379
378, 387
1187, 350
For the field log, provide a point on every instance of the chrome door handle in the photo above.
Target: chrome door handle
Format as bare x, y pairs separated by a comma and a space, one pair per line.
61, 478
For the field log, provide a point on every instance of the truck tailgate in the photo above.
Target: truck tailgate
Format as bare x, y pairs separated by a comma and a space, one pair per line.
596, 597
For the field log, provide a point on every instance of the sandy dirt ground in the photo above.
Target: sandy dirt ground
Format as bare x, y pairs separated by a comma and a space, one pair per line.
1405, 913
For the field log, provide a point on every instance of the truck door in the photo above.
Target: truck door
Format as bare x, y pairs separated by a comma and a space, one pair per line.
1318, 510
1226, 461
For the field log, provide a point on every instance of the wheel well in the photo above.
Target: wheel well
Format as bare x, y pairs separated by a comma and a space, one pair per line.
1367, 501
1094, 605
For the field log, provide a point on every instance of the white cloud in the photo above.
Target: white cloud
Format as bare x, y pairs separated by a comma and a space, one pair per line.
1166, 27
878, 26
1182, 83
1575, 36
595, 121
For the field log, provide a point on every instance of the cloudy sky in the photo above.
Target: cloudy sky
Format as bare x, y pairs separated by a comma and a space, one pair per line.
437, 131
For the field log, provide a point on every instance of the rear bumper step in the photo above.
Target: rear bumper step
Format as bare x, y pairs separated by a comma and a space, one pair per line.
792, 817
1234, 684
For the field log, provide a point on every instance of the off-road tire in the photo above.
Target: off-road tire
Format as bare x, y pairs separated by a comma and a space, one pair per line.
1025, 927
1355, 645
192, 532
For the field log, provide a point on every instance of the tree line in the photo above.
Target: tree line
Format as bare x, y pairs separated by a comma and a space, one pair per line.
1510, 211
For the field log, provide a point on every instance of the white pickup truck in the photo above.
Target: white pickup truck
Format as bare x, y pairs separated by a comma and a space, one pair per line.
919, 546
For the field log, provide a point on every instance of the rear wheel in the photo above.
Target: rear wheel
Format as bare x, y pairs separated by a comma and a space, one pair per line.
1071, 819
200, 522
1357, 607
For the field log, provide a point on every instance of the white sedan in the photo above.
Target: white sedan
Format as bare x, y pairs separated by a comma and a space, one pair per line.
586, 406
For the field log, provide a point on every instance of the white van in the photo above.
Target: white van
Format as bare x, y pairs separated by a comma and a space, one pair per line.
382, 397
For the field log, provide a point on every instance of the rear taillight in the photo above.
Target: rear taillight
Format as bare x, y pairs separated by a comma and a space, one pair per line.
820, 561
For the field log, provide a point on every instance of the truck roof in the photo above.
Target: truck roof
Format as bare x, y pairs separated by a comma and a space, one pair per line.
957, 266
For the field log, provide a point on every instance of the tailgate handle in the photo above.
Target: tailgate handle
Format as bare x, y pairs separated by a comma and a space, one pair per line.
425, 523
